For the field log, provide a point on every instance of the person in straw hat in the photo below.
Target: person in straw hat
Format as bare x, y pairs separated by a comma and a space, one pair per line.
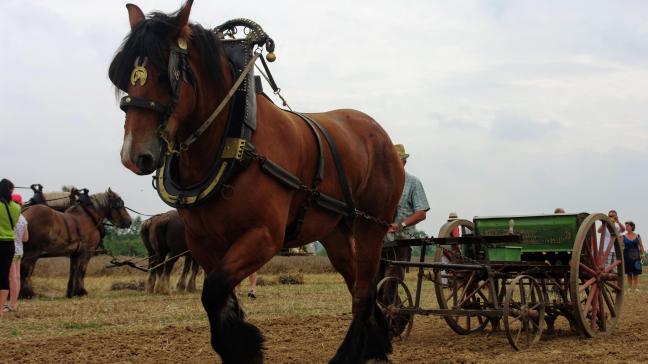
413, 205
412, 209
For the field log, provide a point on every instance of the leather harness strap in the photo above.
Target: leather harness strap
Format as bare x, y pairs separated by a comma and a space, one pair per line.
69, 233
344, 182
325, 201
134, 101
293, 229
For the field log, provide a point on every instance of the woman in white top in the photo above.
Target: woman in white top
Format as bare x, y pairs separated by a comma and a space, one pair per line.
22, 235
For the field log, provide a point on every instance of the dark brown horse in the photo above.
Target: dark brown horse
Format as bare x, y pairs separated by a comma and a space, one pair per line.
286, 189
75, 233
163, 236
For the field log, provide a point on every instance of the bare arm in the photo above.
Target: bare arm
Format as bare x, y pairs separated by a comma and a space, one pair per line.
413, 219
622, 228
25, 236
641, 247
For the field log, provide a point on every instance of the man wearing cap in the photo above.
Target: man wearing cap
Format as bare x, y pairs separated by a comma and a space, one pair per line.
413, 205
412, 209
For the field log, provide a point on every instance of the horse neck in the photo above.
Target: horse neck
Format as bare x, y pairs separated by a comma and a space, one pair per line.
196, 162
96, 215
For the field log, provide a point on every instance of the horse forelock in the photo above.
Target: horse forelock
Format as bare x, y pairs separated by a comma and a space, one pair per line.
150, 38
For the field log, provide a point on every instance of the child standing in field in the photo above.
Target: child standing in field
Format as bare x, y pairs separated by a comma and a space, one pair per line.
633, 254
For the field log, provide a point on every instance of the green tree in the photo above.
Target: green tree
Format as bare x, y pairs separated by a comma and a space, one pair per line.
125, 241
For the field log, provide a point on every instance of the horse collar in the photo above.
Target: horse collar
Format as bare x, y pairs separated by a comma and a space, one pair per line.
237, 138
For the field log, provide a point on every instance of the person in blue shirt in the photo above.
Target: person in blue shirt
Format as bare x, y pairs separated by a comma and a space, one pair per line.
412, 209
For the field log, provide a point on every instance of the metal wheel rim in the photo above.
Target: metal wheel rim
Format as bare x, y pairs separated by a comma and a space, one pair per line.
592, 328
408, 299
508, 316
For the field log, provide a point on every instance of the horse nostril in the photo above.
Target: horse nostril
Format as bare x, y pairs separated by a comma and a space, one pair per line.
146, 163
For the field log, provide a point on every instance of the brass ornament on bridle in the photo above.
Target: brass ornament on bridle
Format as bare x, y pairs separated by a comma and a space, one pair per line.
182, 43
139, 72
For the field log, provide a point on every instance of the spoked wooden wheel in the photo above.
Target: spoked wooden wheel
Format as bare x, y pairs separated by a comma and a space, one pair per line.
462, 289
393, 297
524, 310
596, 276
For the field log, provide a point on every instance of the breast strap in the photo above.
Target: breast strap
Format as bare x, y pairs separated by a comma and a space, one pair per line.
326, 202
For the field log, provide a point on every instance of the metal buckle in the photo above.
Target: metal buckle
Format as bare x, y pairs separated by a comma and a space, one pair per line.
234, 148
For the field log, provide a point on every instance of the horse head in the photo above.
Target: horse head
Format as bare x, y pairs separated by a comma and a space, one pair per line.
117, 213
155, 66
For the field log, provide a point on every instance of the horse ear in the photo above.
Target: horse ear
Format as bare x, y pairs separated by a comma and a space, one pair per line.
135, 15
183, 19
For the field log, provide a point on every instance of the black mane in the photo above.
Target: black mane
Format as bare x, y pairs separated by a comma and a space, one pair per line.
150, 39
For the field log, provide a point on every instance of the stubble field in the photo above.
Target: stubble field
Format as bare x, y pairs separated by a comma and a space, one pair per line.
301, 323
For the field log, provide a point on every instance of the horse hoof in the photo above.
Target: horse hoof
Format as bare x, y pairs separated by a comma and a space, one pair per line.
81, 293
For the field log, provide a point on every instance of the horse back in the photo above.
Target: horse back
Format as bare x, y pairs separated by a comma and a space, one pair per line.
46, 229
367, 154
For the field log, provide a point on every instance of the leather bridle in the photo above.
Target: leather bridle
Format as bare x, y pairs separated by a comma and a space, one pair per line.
179, 70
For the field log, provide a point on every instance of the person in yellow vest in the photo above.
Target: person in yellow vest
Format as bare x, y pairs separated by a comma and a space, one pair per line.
9, 213
21, 230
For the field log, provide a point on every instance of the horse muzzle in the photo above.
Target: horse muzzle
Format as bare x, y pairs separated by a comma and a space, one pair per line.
144, 160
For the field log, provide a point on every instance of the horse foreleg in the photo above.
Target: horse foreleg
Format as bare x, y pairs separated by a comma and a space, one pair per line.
235, 340
71, 286
368, 337
27, 265
82, 267
181, 286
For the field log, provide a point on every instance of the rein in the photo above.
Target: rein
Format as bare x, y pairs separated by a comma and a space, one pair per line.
139, 213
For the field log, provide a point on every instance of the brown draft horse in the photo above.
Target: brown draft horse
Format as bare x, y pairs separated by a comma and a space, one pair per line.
163, 236
233, 234
75, 233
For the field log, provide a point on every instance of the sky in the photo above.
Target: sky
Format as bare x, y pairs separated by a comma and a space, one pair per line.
506, 107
